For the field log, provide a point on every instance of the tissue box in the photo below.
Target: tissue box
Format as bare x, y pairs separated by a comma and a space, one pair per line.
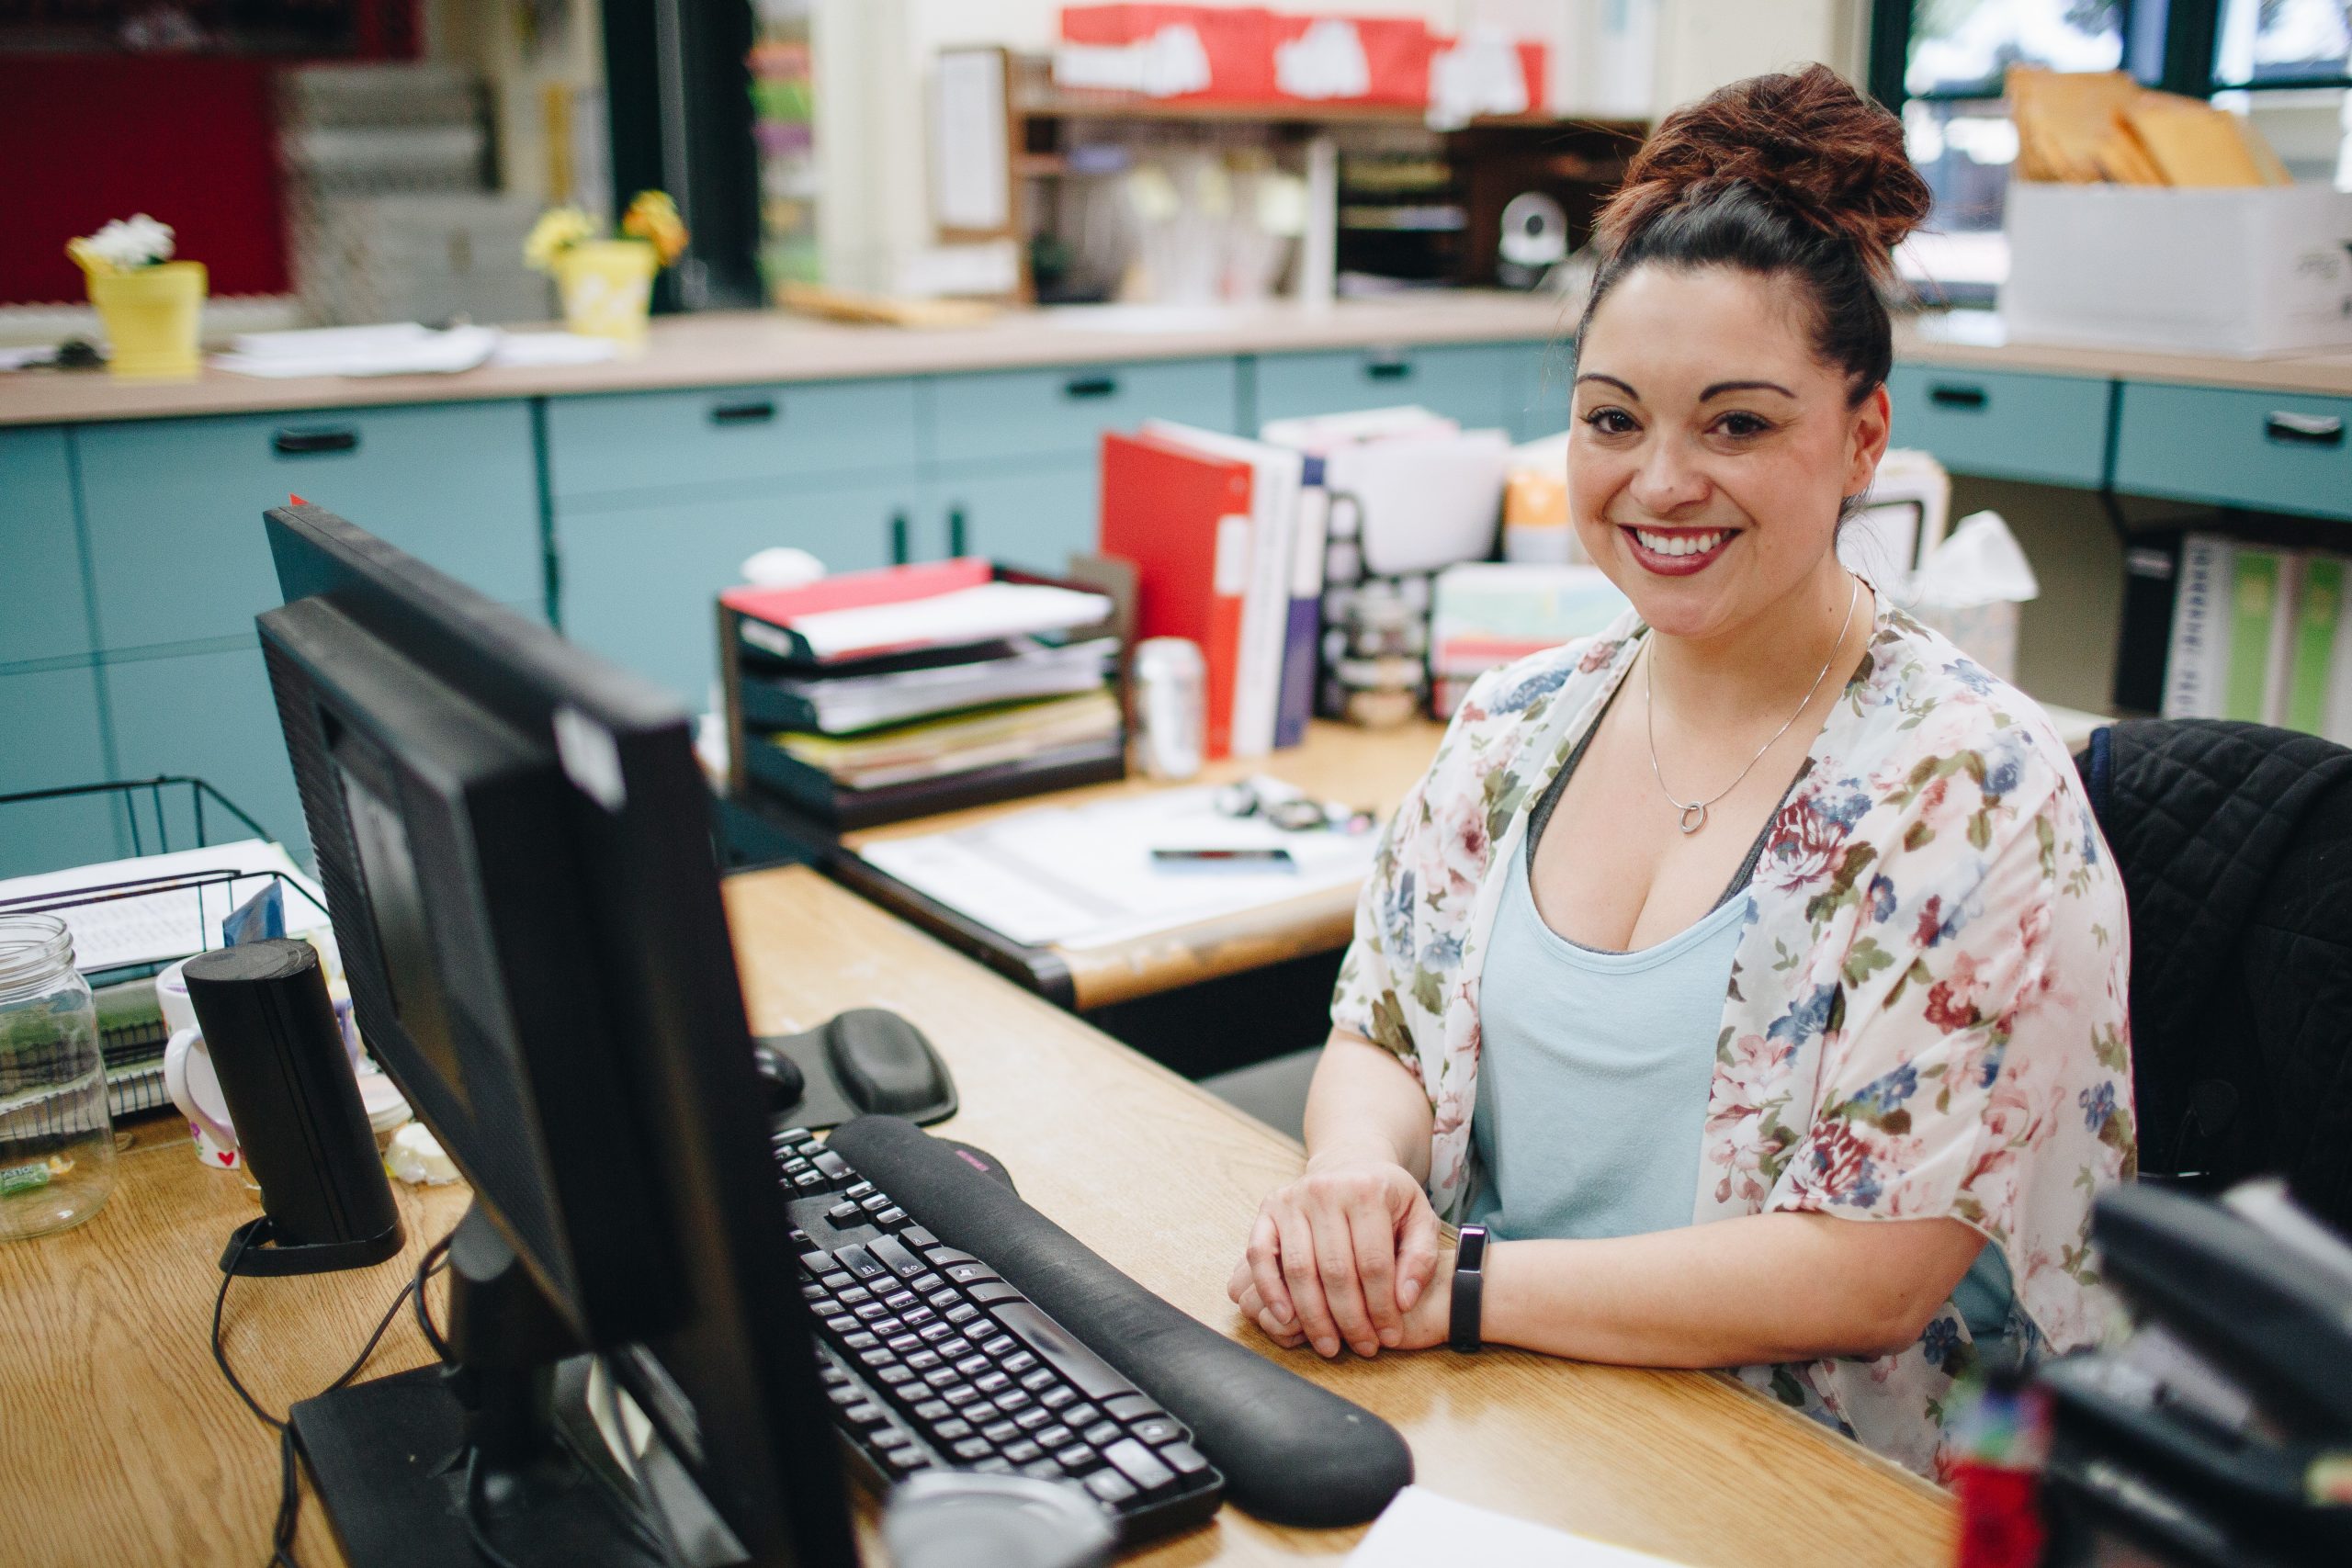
1969, 588
1987, 633
2262, 270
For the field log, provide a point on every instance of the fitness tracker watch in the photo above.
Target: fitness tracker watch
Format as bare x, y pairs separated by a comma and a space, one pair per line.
1469, 1284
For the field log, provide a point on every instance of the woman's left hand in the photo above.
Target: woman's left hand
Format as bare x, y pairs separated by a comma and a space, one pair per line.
1428, 1322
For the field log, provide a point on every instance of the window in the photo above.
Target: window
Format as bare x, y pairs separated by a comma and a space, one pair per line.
2283, 44
2285, 64
1961, 48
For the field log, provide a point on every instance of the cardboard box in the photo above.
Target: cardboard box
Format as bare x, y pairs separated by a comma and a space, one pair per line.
2252, 271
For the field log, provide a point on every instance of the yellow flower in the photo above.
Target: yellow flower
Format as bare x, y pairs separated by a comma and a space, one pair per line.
557, 229
654, 216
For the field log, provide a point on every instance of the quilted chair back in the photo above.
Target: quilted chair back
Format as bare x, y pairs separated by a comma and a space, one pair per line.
2235, 845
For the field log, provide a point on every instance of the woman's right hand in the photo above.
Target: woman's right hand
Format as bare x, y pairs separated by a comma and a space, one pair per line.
1342, 1253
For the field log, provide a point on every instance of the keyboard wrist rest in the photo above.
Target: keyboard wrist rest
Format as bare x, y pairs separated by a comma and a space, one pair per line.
1293, 1453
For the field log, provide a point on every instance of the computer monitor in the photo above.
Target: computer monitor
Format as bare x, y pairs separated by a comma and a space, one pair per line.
514, 839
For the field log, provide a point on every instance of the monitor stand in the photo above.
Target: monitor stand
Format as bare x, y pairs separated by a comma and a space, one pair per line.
410, 1468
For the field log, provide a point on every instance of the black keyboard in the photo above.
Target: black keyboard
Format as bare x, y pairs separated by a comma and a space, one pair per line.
932, 1360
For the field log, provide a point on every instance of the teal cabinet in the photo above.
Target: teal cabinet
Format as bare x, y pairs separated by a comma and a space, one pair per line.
1484, 385
45, 615
174, 507
211, 715
2269, 451
633, 448
51, 738
642, 584
2004, 425
1063, 412
1035, 514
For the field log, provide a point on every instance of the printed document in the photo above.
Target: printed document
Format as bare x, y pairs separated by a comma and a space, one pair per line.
1083, 876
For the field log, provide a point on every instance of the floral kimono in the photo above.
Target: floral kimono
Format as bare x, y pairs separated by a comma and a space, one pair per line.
1927, 1008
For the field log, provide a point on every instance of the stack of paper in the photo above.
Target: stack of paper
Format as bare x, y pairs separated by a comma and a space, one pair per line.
402, 348
1421, 1527
182, 917
1084, 876
872, 696
978, 614
963, 742
1487, 614
895, 690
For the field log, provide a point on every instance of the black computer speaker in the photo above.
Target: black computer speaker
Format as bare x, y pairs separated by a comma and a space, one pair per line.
271, 1032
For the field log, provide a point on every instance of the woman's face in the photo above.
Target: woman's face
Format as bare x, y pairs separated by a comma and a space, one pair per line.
1710, 449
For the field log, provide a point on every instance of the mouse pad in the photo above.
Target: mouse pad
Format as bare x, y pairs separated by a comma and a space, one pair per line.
823, 1101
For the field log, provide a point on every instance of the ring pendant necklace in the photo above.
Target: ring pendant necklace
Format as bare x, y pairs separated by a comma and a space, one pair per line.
1694, 812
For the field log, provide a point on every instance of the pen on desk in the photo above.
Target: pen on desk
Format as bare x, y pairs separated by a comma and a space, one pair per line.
1224, 859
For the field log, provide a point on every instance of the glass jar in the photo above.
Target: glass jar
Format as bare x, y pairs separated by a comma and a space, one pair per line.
56, 1140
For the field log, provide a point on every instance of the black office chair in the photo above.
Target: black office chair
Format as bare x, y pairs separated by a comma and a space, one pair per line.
2235, 845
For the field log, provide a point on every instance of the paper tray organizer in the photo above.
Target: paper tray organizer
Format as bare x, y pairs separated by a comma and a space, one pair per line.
131, 1035
755, 765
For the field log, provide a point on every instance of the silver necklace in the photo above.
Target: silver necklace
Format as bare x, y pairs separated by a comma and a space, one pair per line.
1694, 812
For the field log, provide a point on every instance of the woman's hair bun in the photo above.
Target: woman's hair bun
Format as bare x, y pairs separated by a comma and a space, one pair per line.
1807, 141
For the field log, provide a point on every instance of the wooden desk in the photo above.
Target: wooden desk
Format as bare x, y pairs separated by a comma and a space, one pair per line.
121, 1443
1337, 762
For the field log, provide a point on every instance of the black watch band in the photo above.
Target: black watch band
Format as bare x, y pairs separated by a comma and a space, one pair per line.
1469, 1287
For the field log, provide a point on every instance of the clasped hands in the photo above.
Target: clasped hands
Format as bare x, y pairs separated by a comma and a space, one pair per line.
1349, 1254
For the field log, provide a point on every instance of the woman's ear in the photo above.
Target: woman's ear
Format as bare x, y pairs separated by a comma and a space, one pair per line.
1872, 423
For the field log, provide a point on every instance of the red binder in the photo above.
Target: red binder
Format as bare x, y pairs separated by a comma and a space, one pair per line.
1183, 519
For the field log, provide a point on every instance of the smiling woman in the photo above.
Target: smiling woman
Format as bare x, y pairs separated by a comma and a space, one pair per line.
1767, 1011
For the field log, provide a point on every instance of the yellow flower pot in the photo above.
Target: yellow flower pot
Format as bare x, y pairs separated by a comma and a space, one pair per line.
608, 288
152, 316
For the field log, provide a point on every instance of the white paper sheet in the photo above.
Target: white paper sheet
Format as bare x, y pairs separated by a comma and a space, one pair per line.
398, 349
1083, 877
970, 182
970, 615
158, 926
1420, 1527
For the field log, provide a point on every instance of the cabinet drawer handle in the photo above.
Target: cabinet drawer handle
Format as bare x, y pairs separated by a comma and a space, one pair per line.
1946, 396
959, 538
1388, 370
1091, 386
2305, 429
306, 442
899, 543
759, 411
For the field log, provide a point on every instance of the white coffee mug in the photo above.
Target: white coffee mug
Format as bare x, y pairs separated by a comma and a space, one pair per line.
196, 1089
189, 1078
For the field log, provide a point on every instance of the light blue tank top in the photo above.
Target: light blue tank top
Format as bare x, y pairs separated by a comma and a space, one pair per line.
1594, 1069
1593, 1072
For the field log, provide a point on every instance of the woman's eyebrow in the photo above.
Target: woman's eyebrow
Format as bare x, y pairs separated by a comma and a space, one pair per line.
1720, 388
1624, 387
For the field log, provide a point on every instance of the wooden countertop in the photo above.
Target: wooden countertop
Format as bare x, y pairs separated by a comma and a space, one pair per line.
1978, 338
121, 1443
724, 348
733, 348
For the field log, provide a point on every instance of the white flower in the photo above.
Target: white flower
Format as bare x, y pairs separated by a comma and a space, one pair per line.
134, 241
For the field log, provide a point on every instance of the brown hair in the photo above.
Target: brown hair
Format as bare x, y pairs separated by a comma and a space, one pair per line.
1777, 174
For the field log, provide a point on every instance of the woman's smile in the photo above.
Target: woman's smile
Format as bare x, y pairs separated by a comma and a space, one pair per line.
1676, 552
